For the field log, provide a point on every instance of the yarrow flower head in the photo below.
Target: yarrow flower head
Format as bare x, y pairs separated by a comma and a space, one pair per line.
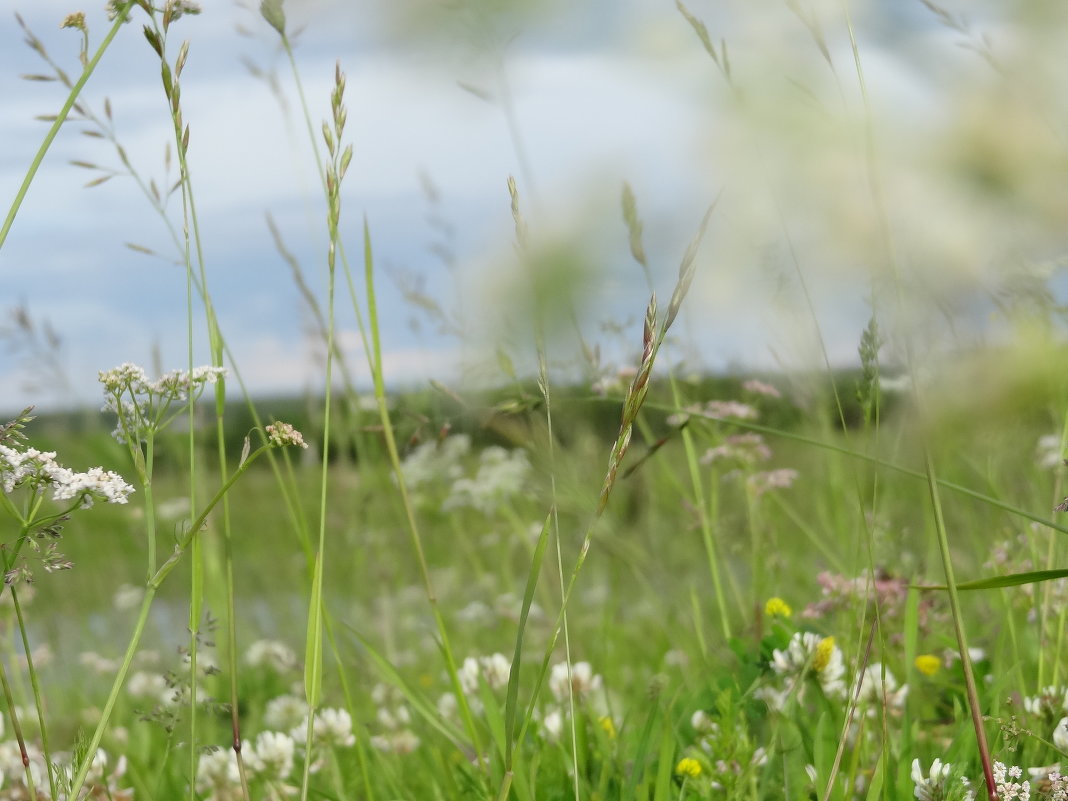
75, 20
145, 406
282, 434
39, 472
783, 478
747, 449
758, 387
1005, 783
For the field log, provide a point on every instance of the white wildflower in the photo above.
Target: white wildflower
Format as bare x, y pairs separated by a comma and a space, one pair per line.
272, 756
874, 693
217, 771
331, 727
932, 786
1050, 702
582, 680
285, 713
1006, 785
760, 388
807, 653
783, 478
271, 654
553, 725
492, 669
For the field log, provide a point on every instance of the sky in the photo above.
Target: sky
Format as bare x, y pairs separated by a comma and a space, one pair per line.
572, 100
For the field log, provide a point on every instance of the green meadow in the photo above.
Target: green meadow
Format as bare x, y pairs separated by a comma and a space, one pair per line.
647, 583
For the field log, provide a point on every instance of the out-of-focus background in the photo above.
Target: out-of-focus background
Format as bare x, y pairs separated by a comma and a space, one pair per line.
939, 198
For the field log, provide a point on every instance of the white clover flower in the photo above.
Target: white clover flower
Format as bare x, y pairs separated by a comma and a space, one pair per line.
399, 742
448, 706
775, 699
492, 669
1050, 702
285, 713
809, 653
271, 654
932, 786
395, 718
331, 727
272, 756
217, 771
147, 685
702, 723
873, 692
582, 680
1048, 451
553, 725
97, 768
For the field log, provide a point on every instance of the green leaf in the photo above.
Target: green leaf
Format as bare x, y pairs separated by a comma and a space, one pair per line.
1011, 580
511, 703
418, 702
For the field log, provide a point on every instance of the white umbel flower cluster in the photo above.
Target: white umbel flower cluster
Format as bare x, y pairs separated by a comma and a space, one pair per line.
39, 471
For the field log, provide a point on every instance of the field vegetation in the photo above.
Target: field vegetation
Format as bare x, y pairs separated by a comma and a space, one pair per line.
647, 584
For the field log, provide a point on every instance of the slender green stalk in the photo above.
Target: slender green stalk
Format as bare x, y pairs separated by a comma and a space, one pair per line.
38, 701
958, 628
14, 718
61, 117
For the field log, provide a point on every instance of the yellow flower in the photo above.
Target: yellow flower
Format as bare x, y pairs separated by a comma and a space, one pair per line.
688, 767
927, 664
823, 654
777, 607
608, 726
